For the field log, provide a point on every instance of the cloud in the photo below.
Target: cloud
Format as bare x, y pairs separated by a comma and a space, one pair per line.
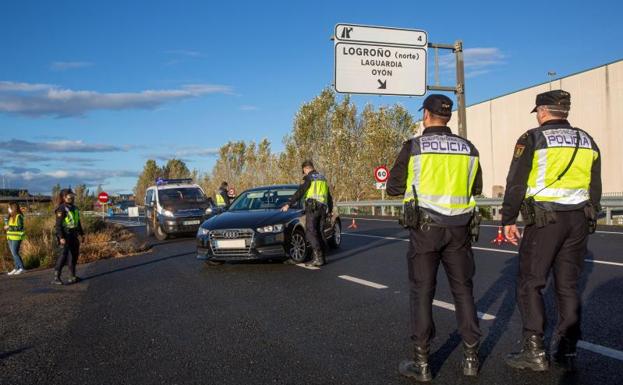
42, 182
18, 146
247, 107
477, 61
68, 65
185, 154
36, 100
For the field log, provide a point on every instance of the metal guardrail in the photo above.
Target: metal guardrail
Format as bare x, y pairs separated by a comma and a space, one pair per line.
394, 207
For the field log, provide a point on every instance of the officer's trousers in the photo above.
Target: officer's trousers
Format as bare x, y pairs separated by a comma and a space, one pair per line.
450, 246
72, 246
560, 246
314, 224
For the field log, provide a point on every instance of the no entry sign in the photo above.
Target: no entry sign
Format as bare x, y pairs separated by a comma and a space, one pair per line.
103, 197
381, 174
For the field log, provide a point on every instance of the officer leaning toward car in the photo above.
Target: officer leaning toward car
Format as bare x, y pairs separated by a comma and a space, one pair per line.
555, 182
318, 204
222, 196
68, 229
438, 173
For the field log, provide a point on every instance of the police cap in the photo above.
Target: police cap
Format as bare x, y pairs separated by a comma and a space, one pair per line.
558, 98
438, 104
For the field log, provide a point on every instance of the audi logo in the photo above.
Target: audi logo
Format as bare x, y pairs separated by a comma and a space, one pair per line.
231, 234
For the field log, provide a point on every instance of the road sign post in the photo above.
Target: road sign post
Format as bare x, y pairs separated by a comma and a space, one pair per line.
381, 174
103, 199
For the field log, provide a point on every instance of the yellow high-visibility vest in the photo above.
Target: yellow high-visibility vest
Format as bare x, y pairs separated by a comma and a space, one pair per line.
319, 189
15, 235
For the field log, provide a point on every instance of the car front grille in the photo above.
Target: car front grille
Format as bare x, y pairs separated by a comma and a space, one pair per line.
225, 235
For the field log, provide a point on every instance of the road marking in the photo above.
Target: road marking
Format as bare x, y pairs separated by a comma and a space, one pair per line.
362, 282
604, 351
496, 226
304, 266
479, 248
449, 306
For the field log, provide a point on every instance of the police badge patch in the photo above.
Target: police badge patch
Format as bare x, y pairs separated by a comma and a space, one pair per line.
59, 213
519, 151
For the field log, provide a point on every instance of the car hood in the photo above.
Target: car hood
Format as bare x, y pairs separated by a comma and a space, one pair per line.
249, 219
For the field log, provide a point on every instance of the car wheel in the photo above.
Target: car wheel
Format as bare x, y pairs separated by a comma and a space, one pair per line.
297, 247
148, 230
336, 240
159, 233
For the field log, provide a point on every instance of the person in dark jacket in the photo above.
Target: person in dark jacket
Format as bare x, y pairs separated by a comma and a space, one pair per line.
222, 196
68, 232
318, 204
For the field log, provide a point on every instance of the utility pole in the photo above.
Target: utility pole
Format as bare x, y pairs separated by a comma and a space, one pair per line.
551, 75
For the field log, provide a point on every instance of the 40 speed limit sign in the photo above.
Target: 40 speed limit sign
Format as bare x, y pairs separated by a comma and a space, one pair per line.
381, 174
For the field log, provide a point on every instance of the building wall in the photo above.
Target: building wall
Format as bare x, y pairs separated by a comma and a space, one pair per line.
596, 106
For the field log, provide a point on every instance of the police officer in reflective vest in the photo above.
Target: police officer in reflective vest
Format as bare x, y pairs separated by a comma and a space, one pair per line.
318, 204
555, 182
15, 235
438, 173
222, 196
68, 229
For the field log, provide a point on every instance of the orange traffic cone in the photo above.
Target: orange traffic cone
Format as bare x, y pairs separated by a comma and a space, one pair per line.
500, 237
353, 225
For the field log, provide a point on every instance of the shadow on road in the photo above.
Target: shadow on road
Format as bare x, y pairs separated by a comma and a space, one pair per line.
126, 268
352, 253
4, 355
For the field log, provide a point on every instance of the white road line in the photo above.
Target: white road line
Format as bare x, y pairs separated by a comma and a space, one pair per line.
479, 248
496, 226
449, 306
362, 282
307, 267
612, 353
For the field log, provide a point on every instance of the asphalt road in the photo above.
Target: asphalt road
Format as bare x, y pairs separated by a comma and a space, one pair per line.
166, 318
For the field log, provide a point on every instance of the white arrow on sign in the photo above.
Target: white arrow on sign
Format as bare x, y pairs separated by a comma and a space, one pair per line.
381, 35
381, 185
380, 69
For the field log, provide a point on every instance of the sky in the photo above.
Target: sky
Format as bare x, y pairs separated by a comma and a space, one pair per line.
90, 90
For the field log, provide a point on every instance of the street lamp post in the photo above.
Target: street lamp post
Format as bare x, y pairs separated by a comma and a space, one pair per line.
551, 75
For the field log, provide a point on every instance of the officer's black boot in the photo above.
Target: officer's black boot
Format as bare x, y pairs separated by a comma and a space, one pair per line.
57, 278
317, 259
418, 368
565, 354
532, 355
470, 362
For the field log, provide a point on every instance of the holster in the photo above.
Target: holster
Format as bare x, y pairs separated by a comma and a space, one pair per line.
544, 217
410, 217
474, 226
591, 217
527, 211
312, 205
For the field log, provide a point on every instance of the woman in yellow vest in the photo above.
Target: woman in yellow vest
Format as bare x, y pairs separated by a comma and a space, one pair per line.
15, 234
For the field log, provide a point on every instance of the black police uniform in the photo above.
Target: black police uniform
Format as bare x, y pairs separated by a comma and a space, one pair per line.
558, 243
72, 243
222, 191
314, 218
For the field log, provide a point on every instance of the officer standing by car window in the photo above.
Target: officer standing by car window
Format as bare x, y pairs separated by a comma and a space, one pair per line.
555, 182
222, 196
68, 229
438, 173
318, 204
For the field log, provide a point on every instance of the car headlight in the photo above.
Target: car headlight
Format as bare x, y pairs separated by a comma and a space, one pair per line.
167, 213
202, 231
209, 210
271, 229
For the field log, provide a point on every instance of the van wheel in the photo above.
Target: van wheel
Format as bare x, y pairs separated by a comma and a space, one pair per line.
159, 233
148, 230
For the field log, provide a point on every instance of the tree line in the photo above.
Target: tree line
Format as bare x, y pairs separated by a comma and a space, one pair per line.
344, 143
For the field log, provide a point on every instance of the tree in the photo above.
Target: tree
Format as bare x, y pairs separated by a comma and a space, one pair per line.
146, 178
176, 169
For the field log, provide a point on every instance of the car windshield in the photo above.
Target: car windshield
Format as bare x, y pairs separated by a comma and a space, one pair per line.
181, 194
268, 199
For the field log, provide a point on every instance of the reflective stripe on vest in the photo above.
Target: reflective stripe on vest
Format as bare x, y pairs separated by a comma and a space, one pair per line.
220, 201
442, 169
553, 151
318, 189
72, 219
15, 235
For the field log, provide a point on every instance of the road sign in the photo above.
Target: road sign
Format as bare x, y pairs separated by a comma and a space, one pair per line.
380, 69
133, 212
103, 197
381, 174
231, 192
381, 185
381, 35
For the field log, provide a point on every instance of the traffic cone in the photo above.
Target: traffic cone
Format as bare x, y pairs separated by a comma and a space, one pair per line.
500, 237
353, 224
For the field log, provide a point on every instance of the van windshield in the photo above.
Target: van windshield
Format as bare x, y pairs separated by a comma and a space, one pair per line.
182, 194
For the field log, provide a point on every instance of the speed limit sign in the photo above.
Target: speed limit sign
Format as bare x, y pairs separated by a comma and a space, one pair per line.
381, 174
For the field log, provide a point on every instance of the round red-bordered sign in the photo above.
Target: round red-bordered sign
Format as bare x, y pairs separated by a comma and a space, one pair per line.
103, 197
381, 174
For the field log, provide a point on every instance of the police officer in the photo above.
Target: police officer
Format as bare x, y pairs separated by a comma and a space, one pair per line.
318, 203
222, 196
556, 173
438, 173
68, 229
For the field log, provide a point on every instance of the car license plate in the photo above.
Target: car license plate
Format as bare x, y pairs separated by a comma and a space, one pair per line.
188, 223
231, 244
